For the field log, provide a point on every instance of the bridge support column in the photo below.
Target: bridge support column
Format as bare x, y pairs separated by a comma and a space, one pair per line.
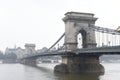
80, 64
30, 62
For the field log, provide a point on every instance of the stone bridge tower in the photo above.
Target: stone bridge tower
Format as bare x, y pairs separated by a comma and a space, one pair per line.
29, 49
76, 23
79, 23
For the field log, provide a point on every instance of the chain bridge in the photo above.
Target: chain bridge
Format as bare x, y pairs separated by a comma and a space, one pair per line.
84, 43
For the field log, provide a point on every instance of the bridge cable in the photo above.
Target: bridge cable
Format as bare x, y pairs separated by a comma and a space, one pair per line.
119, 39
115, 40
105, 30
108, 42
112, 40
106, 39
56, 42
98, 38
103, 38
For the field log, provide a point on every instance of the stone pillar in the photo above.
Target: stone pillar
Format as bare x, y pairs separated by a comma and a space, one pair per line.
76, 23
80, 64
84, 64
30, 62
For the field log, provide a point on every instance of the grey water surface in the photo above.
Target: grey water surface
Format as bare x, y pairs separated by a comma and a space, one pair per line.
45, 72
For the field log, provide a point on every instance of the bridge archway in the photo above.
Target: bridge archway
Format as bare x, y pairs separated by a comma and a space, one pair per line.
76, 23
79, 39
82, 38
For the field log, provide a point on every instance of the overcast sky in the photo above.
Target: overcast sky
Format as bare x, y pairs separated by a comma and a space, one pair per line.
39, 21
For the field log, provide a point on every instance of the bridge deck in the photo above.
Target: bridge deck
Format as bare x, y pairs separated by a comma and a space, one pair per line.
84, 51
99, 50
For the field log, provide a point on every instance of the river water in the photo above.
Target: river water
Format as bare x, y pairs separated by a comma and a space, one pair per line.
45, 72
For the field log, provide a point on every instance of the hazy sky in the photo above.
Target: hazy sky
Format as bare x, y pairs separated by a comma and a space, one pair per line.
39, 21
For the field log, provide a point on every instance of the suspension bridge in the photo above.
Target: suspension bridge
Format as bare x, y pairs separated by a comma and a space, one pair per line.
80, 53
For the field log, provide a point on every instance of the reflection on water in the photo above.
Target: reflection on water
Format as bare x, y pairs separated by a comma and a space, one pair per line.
77, 77
58, 76
45, 72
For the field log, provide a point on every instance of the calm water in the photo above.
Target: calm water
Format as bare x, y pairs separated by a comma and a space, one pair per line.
45, 72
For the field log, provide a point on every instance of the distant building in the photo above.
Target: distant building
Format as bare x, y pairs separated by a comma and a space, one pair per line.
18, 51
29, 49
42, 50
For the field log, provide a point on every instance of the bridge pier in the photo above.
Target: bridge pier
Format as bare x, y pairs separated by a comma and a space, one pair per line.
30, 62
80, 64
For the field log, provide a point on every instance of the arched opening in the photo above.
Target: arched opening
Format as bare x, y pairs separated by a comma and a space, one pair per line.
81, 37
79, 40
